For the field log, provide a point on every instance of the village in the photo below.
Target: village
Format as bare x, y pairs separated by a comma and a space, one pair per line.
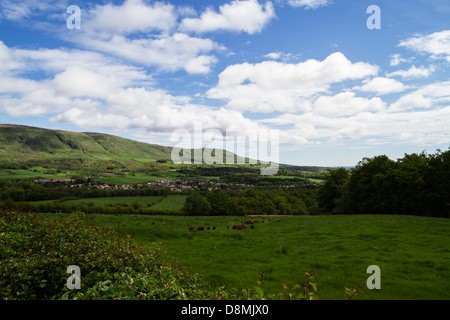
172, 185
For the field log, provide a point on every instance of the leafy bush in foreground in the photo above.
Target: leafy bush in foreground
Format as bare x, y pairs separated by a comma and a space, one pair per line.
35, 253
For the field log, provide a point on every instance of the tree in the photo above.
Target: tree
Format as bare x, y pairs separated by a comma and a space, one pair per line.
196, 204
332, 189
282, 204
410, 192
256, 202
222, 203
437, 182
371, 187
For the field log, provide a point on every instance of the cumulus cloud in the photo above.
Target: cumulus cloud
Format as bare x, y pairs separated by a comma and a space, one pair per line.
346, 104
239, 15
414, 72
411, 101
382, 86
429, 96
437, 44
170, 53
146, 34
277, 86
93, 91
132, 16
424, 127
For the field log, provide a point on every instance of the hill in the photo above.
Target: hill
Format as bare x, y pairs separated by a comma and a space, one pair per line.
38, 146
32, 146
25, 147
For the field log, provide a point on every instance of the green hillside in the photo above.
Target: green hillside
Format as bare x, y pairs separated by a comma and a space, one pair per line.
32, 146
37, 146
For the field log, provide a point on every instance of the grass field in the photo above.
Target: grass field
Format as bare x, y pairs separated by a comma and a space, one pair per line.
171, 202
144, 200
16, 174
412, 252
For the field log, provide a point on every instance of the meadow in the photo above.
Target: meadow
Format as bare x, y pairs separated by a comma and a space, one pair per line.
412, 252
171, 202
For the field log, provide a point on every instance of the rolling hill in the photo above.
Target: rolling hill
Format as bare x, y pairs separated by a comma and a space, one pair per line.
25, 145
32, 145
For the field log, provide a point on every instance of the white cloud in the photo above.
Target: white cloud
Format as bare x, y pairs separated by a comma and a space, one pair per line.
81, 82
382, 86
60, 60
7, 61
171, 53
309, 4
239, 15
132, 16
20, 10
411, 101
277, 86
92, 91
396, 59
426, 127
346, 104
427, 97
273, 55
436, 44
285, 57
414, 72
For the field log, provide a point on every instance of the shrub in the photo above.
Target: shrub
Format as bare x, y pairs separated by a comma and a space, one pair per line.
36, 251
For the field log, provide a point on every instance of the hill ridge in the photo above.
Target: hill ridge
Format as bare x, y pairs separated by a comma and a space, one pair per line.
27, 144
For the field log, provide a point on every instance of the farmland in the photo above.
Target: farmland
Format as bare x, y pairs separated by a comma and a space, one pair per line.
413, 253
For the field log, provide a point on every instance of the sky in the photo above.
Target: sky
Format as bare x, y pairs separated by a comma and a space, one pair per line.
337, 80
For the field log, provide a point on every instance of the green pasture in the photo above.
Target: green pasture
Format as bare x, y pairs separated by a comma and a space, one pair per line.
34, 173
171, 202
143, 200
412, 252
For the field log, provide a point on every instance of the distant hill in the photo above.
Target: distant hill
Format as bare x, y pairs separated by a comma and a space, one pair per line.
32, 145
25, 145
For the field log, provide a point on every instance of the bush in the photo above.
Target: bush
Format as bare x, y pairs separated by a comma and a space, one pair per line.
36, 251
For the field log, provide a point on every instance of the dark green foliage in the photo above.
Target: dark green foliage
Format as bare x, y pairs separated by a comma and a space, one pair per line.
196, 204
332, 188
255, 202
222, 203
36, 251
416, 184
371, 185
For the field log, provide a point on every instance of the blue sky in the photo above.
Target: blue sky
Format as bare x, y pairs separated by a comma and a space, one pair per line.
335, 90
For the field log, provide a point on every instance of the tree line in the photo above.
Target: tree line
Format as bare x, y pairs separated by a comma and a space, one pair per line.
28, 191
417, 184
251, 201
